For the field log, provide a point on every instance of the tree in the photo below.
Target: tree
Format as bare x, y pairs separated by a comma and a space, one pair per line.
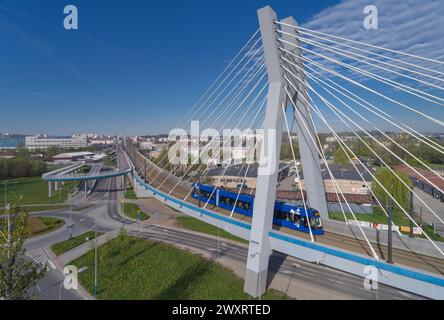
394, 186
286, 153
340, 157
17, 274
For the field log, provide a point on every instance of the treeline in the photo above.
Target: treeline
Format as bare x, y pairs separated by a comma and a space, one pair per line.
21, 167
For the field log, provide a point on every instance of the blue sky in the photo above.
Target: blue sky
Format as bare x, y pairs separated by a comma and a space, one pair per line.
133, 67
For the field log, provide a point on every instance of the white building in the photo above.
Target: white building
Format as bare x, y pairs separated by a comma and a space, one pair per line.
45, 142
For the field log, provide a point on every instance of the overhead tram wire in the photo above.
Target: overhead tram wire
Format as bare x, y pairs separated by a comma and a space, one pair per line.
326, 164
403, 182
317, 80
363, 43
347, 54
358, 70
226, 77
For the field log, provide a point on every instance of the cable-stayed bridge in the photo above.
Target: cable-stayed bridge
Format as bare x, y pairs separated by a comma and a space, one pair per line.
288, 78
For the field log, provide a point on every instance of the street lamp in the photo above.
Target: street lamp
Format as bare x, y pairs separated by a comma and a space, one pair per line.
95, 260
71, 226
6, 182
95, 255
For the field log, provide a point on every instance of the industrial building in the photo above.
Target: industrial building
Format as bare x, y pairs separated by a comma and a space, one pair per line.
45, 142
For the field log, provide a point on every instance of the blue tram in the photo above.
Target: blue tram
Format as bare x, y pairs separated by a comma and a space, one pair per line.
285, 214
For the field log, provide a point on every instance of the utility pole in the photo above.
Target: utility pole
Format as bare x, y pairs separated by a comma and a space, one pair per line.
389, 236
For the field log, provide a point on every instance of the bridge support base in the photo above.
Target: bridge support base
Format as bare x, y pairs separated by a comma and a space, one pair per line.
49, 189
255, 282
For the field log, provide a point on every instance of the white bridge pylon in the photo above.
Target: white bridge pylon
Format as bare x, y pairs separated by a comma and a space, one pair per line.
260, 249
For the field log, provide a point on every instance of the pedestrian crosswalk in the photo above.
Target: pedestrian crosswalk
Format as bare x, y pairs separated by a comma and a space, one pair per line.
39, 256
102, 202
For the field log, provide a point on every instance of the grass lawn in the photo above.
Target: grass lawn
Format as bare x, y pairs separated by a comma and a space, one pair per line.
131, 268
40, 208
132, 210
130, 194
61, 247
37, 225
200, 226
34, 191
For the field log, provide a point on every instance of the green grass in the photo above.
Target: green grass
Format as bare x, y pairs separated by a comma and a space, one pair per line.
62, 247
132, 210
200, 226
40, 208
82, 207
130, 194
131, 268
110, 161
50, 223
378, 216
429, 230
34, 191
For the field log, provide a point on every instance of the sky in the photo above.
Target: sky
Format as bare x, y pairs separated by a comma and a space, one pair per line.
137, 67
